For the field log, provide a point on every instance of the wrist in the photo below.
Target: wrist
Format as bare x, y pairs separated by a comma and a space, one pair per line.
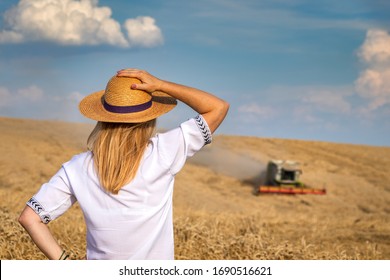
63, 256
160, 85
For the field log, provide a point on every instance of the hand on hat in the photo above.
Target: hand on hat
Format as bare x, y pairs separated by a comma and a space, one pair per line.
149, 82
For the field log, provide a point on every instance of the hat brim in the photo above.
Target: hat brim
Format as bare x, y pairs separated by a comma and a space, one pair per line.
92, 107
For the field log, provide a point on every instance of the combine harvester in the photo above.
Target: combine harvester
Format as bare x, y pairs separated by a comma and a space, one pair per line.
282, 177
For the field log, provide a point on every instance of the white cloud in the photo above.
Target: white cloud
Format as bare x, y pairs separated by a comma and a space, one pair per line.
10, 37
373, 83
322, 98
27, 95
308, 104
71, 22
32, 101
143, 31
31, 93
254, 111
75, 96
304, 114
34, 94
376, 47
328, 101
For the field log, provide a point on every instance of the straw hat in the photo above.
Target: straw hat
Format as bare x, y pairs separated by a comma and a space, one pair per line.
119, 103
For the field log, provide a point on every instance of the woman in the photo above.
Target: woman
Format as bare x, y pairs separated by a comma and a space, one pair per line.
124, 182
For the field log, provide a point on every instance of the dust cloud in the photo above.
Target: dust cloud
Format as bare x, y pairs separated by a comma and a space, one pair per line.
226, 162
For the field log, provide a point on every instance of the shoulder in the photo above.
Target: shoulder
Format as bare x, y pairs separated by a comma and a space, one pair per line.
194, 129
78, 160
173, 147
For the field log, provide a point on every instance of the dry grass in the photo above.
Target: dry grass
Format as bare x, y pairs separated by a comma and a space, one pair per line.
215, 214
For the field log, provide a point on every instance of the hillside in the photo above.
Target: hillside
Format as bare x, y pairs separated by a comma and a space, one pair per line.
216, 215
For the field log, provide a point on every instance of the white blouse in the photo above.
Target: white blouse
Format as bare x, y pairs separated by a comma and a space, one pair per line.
137, 222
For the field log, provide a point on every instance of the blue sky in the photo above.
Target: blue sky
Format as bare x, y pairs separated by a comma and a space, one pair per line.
297, 69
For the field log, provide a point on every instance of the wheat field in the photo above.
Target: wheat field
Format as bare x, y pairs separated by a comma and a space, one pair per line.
216, 216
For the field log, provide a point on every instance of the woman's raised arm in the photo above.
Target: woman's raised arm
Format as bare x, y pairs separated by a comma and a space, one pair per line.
212, 108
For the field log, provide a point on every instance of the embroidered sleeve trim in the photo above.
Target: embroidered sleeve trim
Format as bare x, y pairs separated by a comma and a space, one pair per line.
204, 129
38, 208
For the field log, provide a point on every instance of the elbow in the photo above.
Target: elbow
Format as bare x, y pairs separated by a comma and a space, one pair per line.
224, 107
227, 106
23, 220
28, 217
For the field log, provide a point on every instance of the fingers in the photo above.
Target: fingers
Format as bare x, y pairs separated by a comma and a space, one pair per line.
148, 83
131, 72
140, 87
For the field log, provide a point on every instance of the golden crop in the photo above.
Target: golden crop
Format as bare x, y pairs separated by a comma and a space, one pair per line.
215, 214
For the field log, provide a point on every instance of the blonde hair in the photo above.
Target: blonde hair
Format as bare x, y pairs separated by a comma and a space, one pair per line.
117, 151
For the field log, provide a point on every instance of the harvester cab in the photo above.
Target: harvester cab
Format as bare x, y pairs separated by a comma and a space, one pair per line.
282, 177
283, 172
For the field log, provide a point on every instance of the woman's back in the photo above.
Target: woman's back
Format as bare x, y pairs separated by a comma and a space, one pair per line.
136, 223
